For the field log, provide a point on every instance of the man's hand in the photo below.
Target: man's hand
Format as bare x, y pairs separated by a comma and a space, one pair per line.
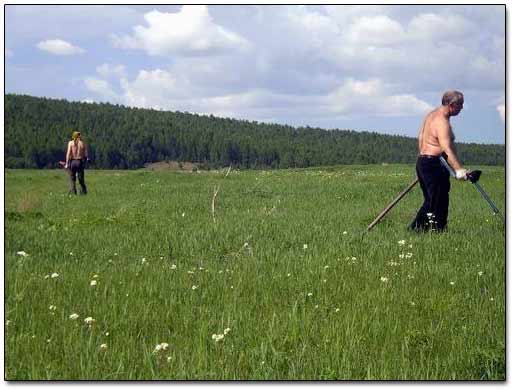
461, 174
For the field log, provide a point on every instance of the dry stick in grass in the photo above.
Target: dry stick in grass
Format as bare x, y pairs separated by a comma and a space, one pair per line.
216, 190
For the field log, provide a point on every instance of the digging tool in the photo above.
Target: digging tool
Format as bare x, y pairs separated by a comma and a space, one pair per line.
392, 204
473, 177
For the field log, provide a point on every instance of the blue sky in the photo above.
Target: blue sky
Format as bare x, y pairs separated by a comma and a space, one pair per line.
369, 67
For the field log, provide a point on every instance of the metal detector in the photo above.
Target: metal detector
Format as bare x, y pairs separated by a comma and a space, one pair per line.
473, 177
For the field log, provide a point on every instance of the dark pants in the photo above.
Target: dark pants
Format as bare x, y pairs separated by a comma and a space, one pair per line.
76, 168
435, 184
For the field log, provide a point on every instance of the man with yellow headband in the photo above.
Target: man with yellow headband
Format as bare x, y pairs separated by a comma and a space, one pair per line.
76, 156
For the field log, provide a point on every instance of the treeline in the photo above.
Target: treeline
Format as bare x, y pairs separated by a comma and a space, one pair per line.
37, 131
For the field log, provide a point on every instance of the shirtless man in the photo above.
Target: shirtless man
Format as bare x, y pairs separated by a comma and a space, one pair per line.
435, 139
76, 156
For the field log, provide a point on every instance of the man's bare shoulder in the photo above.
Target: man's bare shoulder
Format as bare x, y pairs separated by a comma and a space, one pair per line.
438, 120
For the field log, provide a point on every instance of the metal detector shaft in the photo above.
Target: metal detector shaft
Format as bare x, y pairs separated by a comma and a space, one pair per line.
479, 189
489, 201
392, 204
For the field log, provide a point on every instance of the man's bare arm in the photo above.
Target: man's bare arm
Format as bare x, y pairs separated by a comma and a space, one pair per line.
68, 154
447, 145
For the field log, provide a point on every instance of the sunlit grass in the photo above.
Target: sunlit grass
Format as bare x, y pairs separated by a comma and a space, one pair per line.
287, 267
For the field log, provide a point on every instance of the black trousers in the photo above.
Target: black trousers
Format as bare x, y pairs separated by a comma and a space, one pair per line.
435, 184
77, 169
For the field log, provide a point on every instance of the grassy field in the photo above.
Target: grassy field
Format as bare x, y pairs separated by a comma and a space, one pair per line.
283, 285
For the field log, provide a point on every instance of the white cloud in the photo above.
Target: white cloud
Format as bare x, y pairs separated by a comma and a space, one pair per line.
501, 108
373, 98
101, 87
106, 70
191, 31
430, 26
59, 47
376, 30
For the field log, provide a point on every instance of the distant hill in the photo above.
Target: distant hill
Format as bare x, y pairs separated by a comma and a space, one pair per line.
37, 131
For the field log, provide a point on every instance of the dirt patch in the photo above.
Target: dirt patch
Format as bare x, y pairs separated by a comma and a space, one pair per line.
173, 166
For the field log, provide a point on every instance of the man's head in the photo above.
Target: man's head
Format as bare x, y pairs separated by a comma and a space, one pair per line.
453, 99
75, 135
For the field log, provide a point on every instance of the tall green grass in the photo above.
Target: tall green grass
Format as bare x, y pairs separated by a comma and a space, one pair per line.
286, 270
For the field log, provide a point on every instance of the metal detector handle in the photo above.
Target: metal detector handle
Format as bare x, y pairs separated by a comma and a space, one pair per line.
479, 189
449, 169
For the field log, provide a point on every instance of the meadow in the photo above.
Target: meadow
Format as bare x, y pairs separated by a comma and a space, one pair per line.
140, 280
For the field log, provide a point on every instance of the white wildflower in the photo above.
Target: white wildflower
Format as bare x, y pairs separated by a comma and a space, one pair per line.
288, 274
74, 316
183, 214
89, 321
384, 279
218, 337
54, 275
47, 276
326, 267
412, 303
226, 330
95, 276
93, 283
337, 309
71, 253
480, 273
52, 307
161, 347
492, 299
452, 282
169, 359
401, 242
344, 233
143, 261
194, 287
305, 246
310, 294
173, 267
103, 346
22, 253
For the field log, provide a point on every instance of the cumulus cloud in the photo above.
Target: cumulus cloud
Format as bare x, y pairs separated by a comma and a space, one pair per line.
330, 65
101, 88
191, 31
430, 26
59, 47
376, 30
501, 108
107, 70
373, 98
